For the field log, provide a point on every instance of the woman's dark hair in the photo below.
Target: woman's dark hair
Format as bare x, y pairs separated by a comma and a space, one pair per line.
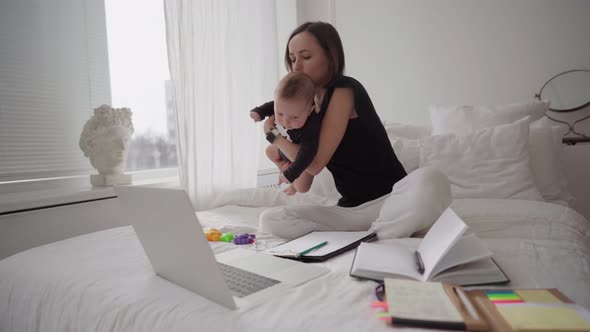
329, 40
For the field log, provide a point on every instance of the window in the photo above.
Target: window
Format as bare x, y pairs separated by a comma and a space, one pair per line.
53, 71
57, 64
140, 80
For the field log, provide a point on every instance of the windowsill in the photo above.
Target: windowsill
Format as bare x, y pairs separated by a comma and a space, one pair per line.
27, 195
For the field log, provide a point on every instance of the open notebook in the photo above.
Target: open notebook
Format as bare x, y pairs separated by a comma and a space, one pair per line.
443, 255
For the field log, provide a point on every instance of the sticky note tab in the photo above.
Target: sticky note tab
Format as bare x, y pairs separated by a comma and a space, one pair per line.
504, 297
499, 291
506, 301
537, 295
544, 318
379, 304
386, 316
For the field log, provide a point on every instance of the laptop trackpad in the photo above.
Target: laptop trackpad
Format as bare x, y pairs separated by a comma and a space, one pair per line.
290, 272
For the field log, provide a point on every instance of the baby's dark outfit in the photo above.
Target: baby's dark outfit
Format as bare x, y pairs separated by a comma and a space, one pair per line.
307, 137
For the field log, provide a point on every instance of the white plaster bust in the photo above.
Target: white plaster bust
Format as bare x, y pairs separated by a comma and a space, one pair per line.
104, 141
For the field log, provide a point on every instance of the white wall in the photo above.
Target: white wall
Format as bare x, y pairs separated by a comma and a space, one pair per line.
410, 54
314, 10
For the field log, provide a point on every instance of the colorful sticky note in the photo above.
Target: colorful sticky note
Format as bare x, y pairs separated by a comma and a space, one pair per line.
504, 297
542, 318
537, 295
386, 316
506, 301
500, 291
379, 304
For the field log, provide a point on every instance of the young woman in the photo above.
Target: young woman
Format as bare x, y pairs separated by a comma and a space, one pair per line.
353, 143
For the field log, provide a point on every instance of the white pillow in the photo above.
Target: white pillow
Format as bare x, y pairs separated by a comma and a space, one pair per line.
407, 130
488, 163
404, 140
407, 152
415, 202
466, 119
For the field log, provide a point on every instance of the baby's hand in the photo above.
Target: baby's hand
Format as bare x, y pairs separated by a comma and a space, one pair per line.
255, 116
269, 123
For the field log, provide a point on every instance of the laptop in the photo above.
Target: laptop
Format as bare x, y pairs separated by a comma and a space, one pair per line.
173, 239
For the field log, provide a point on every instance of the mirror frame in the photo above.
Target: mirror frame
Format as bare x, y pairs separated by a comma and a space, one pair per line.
538, 95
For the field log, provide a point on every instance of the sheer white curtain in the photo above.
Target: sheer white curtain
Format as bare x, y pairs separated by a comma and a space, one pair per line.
223, 62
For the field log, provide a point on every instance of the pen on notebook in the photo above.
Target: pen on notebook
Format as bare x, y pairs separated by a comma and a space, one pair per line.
307, 251
419, 262
466, 303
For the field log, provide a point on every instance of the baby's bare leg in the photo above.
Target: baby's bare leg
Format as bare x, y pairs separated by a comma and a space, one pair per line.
272, 152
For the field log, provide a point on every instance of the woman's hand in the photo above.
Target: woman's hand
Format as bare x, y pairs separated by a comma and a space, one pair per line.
269, 123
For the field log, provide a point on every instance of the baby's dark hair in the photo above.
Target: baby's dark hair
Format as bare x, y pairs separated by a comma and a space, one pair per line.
296, 84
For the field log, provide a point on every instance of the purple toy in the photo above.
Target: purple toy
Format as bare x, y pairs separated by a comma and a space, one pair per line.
244, 238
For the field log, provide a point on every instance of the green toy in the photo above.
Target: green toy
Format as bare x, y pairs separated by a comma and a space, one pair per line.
227, 237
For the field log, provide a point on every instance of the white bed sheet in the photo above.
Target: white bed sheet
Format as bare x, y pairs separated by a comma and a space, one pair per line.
103, 281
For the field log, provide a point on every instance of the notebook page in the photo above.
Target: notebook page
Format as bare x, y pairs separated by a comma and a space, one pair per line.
378, 261
418, 300
447, 229
467, 249
336, 241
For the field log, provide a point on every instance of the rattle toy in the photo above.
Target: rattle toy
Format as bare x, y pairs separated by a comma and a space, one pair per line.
244, 238
213, 234
227, 237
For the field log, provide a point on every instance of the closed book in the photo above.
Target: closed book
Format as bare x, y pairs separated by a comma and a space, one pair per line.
431, 305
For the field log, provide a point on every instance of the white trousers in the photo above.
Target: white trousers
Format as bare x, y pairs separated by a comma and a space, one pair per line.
290, 222
414, 203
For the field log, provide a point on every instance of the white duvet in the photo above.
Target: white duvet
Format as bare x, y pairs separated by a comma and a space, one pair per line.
103, 281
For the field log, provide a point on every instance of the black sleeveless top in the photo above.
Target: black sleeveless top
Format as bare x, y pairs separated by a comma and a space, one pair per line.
364, 165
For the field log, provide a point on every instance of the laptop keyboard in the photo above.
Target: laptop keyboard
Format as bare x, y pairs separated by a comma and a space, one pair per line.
242, 283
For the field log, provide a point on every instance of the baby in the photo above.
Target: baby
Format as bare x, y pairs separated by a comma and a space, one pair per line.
295, 120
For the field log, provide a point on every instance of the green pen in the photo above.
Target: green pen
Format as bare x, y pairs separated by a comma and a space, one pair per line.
307, 251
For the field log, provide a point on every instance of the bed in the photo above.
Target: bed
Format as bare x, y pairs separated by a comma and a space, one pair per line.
104, 281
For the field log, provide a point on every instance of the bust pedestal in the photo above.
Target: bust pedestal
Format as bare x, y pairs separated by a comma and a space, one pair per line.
99, 180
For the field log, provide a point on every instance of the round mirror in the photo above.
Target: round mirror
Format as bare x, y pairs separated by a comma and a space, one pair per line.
568, 91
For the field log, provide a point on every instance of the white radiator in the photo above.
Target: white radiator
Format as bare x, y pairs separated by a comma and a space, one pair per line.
268, 178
